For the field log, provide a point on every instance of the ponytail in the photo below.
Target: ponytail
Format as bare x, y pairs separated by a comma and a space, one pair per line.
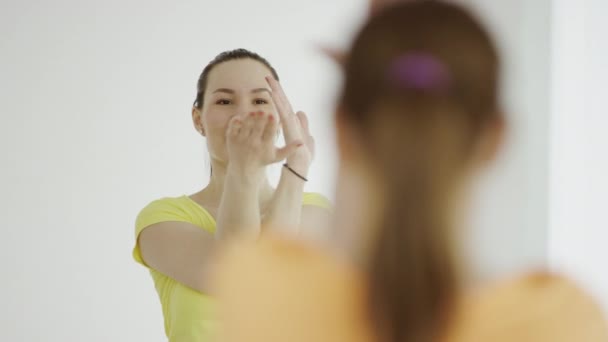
413, 266
421, 83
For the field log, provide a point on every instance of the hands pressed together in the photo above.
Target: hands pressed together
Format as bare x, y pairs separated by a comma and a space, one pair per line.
250, 137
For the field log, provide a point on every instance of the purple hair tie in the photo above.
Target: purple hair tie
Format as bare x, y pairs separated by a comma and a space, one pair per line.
419, 71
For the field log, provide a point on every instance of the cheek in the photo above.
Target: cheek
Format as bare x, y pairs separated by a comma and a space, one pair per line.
215, 120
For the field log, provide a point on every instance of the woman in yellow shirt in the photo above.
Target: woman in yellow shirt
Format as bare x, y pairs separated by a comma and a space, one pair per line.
418, 117
238, 109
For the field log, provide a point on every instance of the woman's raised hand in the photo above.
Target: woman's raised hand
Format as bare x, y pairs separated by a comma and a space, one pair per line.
250, 141
295, 128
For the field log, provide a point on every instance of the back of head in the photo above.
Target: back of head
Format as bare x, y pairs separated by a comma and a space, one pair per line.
420, 86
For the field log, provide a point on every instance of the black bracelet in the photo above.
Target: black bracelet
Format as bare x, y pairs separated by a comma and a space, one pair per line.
295, 173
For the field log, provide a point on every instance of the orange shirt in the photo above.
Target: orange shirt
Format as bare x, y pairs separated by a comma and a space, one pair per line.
278, 290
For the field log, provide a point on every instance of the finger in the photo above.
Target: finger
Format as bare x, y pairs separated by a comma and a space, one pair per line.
311, 146
281, 94
286, 151
234, 127
279, 97
259, 124
303, 122
275, 88
248, 124
271, 129
286, 114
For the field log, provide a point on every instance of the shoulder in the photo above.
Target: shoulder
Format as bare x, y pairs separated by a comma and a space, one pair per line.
164, 209
293, 291
162, 204
535, 307
165, 202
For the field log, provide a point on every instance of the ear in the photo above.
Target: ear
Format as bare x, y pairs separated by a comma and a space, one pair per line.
197, 121
336, 55
492, 139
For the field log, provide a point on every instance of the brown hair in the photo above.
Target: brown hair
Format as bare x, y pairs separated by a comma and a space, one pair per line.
420, 85
225, 57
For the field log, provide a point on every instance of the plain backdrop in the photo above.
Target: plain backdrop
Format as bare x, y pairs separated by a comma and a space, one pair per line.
95, 99
578, 174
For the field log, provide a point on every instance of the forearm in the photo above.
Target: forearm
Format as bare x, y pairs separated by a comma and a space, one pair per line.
238, 212
285, 209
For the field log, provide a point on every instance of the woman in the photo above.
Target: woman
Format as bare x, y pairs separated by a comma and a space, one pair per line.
238, 109
418, 118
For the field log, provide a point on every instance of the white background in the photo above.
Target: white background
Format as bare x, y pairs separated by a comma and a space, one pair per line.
95, 100
579, 144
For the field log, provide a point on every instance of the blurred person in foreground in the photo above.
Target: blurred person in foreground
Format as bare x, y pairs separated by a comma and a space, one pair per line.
417, 120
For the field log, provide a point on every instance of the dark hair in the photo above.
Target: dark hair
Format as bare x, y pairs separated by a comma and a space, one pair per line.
421, 83
225, 57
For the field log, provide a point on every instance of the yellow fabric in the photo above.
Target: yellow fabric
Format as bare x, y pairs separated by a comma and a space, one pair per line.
188, 314
303, 294
316, 200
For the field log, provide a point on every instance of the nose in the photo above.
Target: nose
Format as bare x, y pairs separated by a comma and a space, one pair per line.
244, 108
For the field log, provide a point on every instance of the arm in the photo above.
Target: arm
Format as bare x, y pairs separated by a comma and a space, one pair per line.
187, 253
250, 147
284, 211
239, 211
315, 224
181, 251
184, 251
312, 222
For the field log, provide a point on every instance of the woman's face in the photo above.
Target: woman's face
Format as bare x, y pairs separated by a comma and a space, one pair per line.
235, 87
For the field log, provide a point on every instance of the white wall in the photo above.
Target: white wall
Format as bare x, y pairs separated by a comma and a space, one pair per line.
579, 161
95, 100
510, 211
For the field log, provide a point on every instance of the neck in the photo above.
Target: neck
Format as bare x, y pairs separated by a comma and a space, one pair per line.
212, 193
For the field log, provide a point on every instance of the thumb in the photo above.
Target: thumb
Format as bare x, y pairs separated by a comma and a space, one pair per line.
286, 151
303, 119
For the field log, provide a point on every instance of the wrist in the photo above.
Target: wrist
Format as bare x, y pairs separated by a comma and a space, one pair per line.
298, 165
293, 173
244, 175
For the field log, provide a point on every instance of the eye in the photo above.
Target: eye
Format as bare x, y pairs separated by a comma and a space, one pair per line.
260, 101
223, 102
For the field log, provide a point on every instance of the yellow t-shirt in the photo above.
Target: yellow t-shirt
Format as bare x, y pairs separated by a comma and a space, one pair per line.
188, 314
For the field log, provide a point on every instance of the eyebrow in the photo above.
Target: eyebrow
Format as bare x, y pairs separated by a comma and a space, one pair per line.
231, 91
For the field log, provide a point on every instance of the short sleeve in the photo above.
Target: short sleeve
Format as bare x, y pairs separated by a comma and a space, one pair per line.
162, 210
316, 200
